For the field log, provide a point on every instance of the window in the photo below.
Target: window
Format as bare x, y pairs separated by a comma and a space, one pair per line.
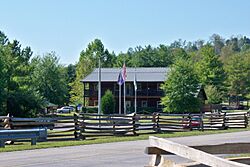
138, 86
129, 89
128, 104
116, 86
144, 103
159, 104
95, 85
95, 102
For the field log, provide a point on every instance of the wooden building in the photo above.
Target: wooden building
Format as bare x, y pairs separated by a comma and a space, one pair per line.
149, 93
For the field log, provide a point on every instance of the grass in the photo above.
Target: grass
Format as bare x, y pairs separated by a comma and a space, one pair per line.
18, 146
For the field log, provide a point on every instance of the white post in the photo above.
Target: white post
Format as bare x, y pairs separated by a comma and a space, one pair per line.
135, 101
120, 99
99, 87
124, 91
135, 87
124, 87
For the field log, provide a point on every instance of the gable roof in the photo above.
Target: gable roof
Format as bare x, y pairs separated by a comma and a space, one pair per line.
143, 74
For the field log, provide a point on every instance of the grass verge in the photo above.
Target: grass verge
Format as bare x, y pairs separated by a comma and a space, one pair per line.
19, 146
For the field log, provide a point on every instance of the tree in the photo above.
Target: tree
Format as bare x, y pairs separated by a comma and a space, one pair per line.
87, 62
210, 68
214, 96
108, 103
218, 43
71, 76
17, 98
2, 81
180, 88
49, 78
237, 68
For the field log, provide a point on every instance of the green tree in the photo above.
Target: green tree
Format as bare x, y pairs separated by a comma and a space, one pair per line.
49, 78
87, 62
218, 43
108, 103
180, 88
210, 68
237, 68
145, 57
2, 81
17, 98
71, 76
214, 96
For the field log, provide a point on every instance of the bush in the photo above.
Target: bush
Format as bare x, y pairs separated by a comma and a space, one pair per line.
108, 103
90, 109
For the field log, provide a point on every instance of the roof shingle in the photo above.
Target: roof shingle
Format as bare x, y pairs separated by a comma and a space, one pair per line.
149, 74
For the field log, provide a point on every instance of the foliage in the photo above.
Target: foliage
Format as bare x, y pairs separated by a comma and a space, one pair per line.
90, 109
210, 68
71, 76
146, 57
17, 97
108, 103
213, 95
49, 78
2, 81
237, 68
180, 88
221, 64
89, 59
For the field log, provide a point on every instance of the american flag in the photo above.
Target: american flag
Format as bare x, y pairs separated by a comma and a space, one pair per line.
124, 72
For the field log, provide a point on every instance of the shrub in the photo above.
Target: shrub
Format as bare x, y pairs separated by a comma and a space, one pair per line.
108, 103
90, 109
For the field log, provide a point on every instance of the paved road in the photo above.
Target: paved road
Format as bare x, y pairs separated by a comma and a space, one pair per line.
121, 154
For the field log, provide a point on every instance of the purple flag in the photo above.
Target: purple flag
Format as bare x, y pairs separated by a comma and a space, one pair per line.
120, 79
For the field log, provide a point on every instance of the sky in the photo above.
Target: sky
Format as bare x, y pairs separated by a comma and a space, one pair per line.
68, 26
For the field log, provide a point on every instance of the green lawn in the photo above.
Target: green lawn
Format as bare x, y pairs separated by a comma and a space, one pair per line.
26, 145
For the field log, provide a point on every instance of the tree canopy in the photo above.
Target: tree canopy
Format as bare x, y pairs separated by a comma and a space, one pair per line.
28, 81
180, 88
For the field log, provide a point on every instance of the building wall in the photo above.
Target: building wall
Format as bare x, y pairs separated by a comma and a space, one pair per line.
148, 94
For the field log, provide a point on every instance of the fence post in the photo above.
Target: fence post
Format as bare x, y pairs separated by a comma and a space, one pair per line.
134, 124
224, 121
82, 128
246, 120
113, 122
189, 121
76, 126
156, 118
201, 123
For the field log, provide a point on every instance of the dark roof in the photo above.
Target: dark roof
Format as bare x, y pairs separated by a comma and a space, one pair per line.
150, 74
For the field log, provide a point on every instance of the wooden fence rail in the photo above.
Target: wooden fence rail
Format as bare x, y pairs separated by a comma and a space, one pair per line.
105, 125
83, 125
59, 128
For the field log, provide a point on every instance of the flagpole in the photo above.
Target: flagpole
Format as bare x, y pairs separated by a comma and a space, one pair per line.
124, 100
135, 86
135, 101
120, 100
124, 90
99, 87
